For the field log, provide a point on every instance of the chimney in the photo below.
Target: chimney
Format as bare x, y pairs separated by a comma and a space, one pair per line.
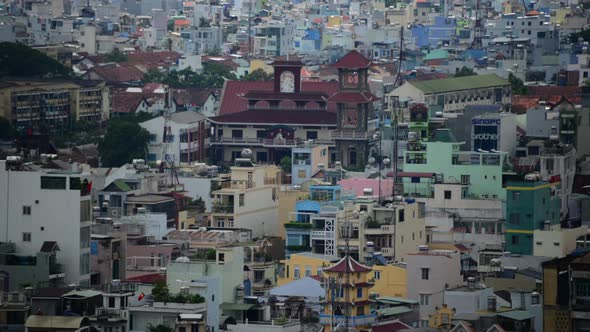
491, 303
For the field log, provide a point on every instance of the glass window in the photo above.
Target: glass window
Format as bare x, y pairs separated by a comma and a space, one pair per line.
308, 271
424, 299
425, 273
359, 292
311, 135
377, 275
53, 182
447, 194
26, 210
26, 237
85, 237
296, 272
85, 263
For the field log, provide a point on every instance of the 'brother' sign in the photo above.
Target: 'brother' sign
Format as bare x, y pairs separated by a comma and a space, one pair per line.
485, 134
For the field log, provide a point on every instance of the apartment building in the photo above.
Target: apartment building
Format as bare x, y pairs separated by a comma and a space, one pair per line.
183, 138
200, 40
432, 272
53, 103
249, 200
452, 95
274, 38
44, 205
530, 205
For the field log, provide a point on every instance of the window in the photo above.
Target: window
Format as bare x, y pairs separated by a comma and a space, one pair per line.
424, 299
307, 271
27, 210
75, 184
413, 236
425, 273
401, 215
515, 218
377, 275
85, 263
261, 134
515, 239
311, 135
241, 199
447, 194
302, 174
360, 311
26, 237
53, 182
85, 237
465, 179
221, 257
516, 196
359, 292
319, 271
237, 133
402, 238
296, 272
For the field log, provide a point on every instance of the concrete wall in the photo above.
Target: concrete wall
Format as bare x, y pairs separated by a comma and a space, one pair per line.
55, 216
556, 242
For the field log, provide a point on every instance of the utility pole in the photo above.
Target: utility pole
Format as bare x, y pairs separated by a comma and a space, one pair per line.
250, 42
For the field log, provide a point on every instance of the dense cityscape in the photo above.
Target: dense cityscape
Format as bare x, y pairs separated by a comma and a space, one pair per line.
294, 166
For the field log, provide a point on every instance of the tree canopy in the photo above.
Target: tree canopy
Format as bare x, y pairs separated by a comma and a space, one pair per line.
258, 75
116, 56
18, 60
123, 142
7, 131
212, 76
518, 87
465, 71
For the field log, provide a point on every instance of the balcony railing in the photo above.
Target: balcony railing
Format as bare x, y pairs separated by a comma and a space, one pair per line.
122, 287
351, 134
14, 298
264, 141
56, 268
110, 313
222, 208
352, 321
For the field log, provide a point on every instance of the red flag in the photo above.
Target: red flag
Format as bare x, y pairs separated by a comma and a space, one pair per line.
141, 296
89, 188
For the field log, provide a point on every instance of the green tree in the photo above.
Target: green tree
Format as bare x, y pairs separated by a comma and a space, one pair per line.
7, 132
116, 56
160, 291
213, 52
286, 164
518, 87
18, 60
123, 141
169, 44
197, 204
584, 35
159, 328
465, 71
258, 75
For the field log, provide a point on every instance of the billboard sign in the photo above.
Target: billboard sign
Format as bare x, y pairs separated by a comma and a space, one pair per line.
485, 133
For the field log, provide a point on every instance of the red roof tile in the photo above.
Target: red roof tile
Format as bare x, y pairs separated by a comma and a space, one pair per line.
191, 96
233, 102
412, 174
265, 116
352, 97
347, 264
153, 57
572, 93
359, 185
147, 278
182, 22
521, 104
118, 73
126, 102
353, 60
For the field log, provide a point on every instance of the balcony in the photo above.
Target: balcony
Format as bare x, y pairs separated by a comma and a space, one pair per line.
111, 314
222, 208
351, 135
119, 287
13, 298
238, 184
266, 142
56, 271
353, 321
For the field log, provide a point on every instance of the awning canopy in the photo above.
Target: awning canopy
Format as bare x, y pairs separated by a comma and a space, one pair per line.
236, 306
55, 322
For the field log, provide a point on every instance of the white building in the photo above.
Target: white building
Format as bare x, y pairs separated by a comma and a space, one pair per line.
560, 161
40, 205
199, 40
185, 135
432, 272
249, 200
556, 241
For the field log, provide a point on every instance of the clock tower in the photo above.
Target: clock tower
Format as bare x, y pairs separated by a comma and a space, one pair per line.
287, 75
354, 105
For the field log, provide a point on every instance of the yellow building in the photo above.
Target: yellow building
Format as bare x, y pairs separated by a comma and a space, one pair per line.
347, 296
256, 64
441, 318
288, 197
53, 103
388, 280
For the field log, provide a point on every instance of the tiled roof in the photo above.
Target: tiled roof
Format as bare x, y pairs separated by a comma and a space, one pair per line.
391, 326
460, 83
521, 104
49, 246
126, 102
358, 185
233, 102
299, 117
153, 57
118, 73
353, 59
353, 97
147, 278
347, 264
572, 93
182, 22
191, 96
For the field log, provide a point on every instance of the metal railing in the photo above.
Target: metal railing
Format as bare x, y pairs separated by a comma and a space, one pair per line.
222, 208
121, 287
266, 141
351, 134
106, 313
352, 321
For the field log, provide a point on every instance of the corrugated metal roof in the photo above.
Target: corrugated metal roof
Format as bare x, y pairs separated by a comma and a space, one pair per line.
459, 83
55, 322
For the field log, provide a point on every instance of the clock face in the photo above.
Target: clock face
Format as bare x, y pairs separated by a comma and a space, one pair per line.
287, 82
351, 79
351, 118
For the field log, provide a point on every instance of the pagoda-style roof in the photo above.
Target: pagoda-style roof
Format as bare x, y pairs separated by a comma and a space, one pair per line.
353, 60
347, 264
353, 97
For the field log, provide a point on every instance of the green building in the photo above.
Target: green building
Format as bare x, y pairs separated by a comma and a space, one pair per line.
529, 206
479, 172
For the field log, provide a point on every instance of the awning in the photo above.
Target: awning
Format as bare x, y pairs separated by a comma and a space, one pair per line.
236, 306
517, 315
82, 294
392, 311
